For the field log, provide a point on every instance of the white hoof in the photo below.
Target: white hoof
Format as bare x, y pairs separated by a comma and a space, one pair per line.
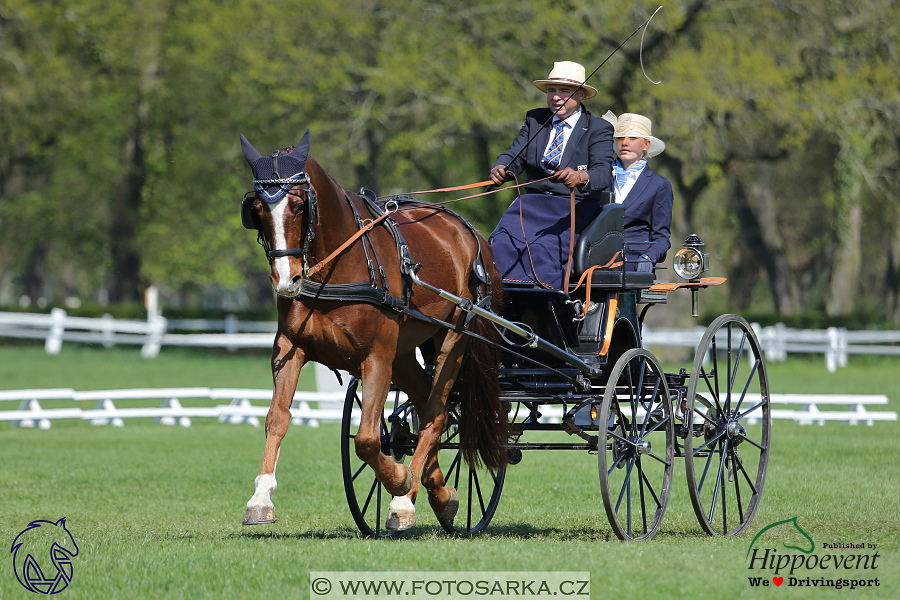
401, 514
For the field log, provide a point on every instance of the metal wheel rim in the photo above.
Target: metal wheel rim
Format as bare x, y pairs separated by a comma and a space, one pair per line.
728, 507
653, 472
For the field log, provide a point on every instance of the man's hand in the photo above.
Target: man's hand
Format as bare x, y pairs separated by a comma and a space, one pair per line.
644, 265
499, 174
571, 178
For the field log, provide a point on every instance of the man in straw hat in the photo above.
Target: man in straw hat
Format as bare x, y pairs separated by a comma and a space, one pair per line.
559, 149
647, 195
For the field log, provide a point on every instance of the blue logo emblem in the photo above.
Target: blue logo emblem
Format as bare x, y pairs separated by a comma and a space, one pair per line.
42, 556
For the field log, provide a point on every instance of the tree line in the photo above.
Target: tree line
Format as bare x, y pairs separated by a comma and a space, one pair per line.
120, 165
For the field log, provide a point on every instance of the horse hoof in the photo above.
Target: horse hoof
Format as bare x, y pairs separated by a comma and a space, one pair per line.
449, 512
401, 514
259, 515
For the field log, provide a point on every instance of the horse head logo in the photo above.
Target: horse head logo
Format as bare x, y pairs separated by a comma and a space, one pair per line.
793, 521
44, 543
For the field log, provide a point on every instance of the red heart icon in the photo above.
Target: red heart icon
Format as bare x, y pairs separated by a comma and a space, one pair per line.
778, 580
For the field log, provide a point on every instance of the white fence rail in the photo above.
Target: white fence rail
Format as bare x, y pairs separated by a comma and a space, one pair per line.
307, 408
312, 408
57, 327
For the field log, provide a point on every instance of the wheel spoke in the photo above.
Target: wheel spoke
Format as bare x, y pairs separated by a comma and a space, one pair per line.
737, 484
747, 477
728, 377
747, 387
477, 485
361, 468
365, 507
747, 439
737, 360
652, 492
641, 479
709, 441
650, 404
718, 484
625, 484
662, 460
712, 392
709, 458
655, 427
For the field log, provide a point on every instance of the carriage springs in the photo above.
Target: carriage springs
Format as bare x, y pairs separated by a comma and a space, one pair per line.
792, 565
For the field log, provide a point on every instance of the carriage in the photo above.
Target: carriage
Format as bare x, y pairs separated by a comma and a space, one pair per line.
573, 373
574, 365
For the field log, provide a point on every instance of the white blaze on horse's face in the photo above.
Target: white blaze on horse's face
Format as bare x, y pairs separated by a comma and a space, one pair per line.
282, 280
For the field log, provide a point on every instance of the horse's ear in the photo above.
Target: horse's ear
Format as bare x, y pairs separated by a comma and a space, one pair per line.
301, 150
250, 152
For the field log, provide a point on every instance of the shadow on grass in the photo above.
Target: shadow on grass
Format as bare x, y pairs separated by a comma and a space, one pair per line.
499, 532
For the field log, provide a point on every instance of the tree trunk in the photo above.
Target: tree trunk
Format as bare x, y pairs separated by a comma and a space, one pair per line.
759, 219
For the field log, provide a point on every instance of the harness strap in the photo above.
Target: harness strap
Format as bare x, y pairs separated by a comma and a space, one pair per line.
318, 266
586, 277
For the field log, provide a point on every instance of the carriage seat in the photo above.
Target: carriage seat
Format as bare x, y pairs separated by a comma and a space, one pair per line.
598, 244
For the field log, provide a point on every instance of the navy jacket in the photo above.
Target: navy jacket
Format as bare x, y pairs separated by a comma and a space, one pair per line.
590, 148
648, 216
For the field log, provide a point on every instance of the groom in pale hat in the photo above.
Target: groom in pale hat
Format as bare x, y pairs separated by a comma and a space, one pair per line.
560, 149
646, 194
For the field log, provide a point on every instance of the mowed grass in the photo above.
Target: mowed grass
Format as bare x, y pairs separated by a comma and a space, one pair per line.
156, 510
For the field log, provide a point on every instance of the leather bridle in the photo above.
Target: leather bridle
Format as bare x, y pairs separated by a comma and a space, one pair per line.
312, 212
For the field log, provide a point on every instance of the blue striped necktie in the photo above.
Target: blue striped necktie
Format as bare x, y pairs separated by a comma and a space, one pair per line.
554, 153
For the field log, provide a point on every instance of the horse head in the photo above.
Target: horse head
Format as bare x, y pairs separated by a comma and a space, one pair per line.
40, 545
283, 210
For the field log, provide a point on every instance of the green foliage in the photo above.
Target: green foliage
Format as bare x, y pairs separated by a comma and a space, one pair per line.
120, 167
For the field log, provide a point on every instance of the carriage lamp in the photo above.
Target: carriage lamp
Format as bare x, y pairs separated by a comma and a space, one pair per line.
690, 263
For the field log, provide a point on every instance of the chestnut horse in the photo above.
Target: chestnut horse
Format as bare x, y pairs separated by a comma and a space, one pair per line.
303, 217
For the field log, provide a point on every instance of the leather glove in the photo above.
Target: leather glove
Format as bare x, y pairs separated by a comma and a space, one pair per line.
644, 265
571, 178
499, 174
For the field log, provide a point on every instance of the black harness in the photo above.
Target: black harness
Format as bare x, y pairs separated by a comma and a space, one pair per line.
376, 290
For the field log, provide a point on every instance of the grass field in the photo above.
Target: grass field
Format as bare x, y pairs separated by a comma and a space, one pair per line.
156, 510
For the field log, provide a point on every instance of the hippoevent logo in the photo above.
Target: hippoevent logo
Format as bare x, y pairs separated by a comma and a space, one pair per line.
836, 565
42, 556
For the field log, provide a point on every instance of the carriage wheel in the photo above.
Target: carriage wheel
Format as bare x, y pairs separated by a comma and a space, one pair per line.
366, 496
727, 413
636, 455
479, 490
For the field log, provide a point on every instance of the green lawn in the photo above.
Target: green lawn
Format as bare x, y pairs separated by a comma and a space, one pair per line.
156, 510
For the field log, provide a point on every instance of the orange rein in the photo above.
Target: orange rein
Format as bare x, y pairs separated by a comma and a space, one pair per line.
320, 265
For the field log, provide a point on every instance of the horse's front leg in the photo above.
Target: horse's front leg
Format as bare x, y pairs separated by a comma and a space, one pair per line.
287, 360
396, 477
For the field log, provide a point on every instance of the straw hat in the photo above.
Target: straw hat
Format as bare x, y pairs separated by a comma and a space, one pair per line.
566, 73
632, 125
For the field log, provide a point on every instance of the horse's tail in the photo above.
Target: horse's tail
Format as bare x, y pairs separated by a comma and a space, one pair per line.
483, 425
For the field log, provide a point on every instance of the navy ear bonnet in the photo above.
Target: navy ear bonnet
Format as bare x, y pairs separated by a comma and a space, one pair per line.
274, 175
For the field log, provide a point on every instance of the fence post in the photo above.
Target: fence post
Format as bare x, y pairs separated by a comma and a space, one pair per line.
55, 334
156, 324
836, 355
108, 330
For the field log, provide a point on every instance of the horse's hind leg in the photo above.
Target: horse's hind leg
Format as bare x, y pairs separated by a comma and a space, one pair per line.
411, 378
432, 419
397, 478
287, 360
